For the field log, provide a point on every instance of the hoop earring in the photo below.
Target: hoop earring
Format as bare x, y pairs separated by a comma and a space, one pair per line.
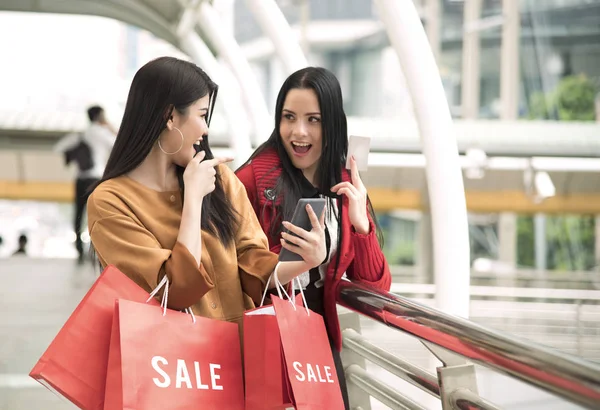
179, 149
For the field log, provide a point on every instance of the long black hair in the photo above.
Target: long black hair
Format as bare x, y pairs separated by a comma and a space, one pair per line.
334, 131
159, 87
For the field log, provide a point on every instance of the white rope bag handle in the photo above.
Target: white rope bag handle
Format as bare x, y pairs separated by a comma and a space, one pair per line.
165, 282
280, 288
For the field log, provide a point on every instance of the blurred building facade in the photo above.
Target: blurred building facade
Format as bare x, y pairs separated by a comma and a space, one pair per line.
546, 55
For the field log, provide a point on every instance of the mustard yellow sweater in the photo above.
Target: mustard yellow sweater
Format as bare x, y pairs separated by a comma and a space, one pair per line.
135, 228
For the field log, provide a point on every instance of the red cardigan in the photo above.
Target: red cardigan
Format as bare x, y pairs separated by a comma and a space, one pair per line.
361, 257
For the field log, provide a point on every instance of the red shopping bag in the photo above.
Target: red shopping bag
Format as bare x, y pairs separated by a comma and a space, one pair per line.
265, 375
308, 357
74, 365
162, 359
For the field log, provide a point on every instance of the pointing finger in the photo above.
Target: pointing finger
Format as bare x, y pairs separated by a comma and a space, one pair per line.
217, 161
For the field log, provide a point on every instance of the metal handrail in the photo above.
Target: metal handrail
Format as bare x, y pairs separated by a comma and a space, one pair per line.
384, 393
504, 291
465, 399
408, 372
567, 376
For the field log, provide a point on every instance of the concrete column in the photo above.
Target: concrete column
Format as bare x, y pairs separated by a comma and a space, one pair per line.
541, 245
509, 61
507, 238
597, 240
471, 60
424, 259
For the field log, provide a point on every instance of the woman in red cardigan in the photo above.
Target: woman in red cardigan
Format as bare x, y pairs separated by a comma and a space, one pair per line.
305, 157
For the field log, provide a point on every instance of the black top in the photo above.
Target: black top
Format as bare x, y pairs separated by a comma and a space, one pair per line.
313, 294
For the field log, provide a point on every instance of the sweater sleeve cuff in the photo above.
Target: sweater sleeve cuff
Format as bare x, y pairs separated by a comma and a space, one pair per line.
369, 260
253, 283
188, 281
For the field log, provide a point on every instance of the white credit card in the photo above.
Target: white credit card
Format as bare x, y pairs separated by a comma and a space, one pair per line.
359, 147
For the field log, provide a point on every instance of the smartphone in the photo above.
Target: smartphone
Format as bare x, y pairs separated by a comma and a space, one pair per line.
301, 220
359, 147
200, 147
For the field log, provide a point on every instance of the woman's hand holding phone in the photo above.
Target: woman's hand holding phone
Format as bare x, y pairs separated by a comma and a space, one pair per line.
310, 245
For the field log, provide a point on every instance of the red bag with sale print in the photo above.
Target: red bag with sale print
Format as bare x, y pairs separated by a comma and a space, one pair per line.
308, 357
74, 365
266, 380
165, 359
305, 374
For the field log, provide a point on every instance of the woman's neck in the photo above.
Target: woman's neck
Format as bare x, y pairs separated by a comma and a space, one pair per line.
156, 172
311, 175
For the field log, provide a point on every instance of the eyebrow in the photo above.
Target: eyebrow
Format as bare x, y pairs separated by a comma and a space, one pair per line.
203, 109
307, 114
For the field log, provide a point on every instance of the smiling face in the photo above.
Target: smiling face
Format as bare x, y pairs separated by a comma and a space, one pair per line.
192, 125
300, 130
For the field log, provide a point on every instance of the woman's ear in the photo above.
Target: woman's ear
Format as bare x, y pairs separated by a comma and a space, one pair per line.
170, 124
169, 118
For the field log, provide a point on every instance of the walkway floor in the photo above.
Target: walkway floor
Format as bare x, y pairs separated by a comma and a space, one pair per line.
37, 296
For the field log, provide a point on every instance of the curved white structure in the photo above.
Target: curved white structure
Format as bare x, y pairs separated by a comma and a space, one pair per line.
273, 23
446, 190
229, 49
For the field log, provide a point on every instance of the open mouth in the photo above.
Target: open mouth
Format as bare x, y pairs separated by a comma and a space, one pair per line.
301, 147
